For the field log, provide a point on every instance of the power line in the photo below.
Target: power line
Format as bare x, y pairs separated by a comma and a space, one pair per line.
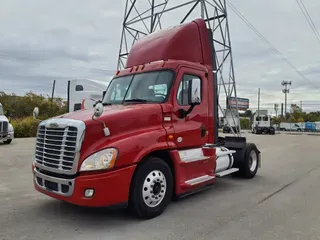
309, 19
236, 11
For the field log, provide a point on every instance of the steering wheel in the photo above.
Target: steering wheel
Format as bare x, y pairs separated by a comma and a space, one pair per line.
161, 94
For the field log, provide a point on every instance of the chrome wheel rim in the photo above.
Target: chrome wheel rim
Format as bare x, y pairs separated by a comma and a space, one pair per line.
154, 188
253, 160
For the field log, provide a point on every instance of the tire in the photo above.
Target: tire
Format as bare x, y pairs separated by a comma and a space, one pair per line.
249, 166
7, 141
144, 195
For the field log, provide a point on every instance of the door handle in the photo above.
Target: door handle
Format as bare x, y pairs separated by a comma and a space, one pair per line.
203, 130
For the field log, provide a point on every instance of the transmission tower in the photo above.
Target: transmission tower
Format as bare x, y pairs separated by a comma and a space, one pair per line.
142, 17
285, 91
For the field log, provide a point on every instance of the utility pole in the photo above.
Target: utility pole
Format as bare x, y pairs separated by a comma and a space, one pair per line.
258, 101
301, 105
53, 87
285, 91
276, 109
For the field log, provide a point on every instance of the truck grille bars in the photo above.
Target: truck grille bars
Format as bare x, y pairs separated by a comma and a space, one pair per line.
4, 127
58, 145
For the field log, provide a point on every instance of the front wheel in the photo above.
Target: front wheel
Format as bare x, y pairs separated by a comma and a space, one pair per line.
151, 188
8, 141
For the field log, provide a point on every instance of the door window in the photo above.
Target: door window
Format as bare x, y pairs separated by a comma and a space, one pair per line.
183, 90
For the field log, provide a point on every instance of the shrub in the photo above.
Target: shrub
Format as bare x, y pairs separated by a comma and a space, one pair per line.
24, 127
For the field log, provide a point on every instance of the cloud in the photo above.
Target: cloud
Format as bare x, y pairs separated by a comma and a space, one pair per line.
42, 41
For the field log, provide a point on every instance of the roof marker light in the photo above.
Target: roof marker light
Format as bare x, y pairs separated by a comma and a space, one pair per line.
142, 67
118, 72
137, 68
164, 62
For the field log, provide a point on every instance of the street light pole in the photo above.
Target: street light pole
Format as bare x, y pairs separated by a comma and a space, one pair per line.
285, 91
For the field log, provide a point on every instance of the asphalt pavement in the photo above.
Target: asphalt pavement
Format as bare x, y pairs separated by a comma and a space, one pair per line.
281, 202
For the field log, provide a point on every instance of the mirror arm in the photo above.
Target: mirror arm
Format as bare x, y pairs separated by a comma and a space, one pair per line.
99, 101
183, 113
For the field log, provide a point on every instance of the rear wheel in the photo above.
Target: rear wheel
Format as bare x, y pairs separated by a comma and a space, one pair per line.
250, 164
151, 188
8, 141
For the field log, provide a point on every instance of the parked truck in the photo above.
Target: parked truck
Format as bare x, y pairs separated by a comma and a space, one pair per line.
262, 124
143, 147
287, 126
6, 129
310, 127
231, 121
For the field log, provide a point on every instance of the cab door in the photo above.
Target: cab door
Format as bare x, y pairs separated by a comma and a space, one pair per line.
190, 131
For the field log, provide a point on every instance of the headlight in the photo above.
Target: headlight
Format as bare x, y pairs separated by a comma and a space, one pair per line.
104, 159
10, 128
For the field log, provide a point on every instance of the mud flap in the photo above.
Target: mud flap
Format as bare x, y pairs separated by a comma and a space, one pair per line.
259, 159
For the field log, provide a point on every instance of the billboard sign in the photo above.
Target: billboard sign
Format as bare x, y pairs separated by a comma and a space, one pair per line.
243, 103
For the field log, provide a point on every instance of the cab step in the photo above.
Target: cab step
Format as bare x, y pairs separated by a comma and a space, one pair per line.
227, 172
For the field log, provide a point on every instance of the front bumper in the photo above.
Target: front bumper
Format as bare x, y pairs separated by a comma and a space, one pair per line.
110, 188
6, 136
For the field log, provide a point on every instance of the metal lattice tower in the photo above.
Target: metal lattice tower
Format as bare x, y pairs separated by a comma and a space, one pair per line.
146, 16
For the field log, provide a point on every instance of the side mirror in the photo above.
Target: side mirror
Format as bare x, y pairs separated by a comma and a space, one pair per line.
35, 113
194, 97
95, 104
194, 91
98, 110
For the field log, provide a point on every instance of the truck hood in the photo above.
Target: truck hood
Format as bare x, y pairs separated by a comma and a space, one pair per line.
131, 111
3, 118
122, 121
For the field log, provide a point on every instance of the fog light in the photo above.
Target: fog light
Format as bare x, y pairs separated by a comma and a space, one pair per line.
88, 193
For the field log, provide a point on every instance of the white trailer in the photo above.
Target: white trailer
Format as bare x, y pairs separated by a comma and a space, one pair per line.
231, 120
83, 93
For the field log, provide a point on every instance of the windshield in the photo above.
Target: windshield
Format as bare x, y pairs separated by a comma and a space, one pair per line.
1, 111
264, 118
148, 87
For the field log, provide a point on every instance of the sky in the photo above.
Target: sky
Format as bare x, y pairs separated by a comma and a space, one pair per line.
42, 41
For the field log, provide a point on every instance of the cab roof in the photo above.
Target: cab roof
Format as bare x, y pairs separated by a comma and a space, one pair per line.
188, 42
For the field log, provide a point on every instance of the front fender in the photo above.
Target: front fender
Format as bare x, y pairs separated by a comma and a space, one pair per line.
132, 146
135, 148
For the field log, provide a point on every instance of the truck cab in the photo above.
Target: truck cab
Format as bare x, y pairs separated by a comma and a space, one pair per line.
6, 129
262, 124
152, 137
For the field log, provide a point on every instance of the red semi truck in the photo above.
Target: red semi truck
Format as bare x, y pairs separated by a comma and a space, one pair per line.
152, 138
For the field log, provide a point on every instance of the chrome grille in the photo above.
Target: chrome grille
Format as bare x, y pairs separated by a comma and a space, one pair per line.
57, 145
4, 127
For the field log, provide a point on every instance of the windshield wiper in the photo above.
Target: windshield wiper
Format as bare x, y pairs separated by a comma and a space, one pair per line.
136, 100
106, 104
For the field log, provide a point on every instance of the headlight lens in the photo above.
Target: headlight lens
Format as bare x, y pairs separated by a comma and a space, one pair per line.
10, 128
104, 159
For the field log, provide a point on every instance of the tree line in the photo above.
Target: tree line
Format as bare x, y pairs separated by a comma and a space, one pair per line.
17, 107
18, 110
